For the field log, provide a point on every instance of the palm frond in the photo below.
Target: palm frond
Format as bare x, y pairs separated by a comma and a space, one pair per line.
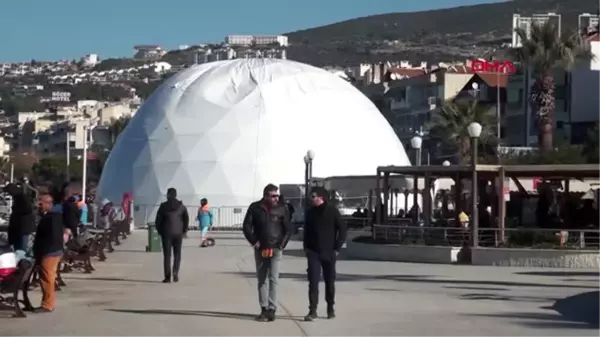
543, 51
452, 120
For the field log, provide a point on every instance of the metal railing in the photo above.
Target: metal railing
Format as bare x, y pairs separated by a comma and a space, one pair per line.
541, 238
224, 217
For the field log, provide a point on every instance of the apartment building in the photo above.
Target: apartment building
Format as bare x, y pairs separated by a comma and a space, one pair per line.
259, 40
148, 52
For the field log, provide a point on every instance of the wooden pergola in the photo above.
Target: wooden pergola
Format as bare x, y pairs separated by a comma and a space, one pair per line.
494, 173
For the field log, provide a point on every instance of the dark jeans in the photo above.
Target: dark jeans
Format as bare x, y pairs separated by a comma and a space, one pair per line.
318, 262
174, 244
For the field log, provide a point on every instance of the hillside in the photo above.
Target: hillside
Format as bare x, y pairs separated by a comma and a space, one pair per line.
429, 35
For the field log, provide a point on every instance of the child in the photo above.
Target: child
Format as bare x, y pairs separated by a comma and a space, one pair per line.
205, 219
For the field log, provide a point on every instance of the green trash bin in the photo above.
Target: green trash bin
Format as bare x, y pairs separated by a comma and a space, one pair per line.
154, 243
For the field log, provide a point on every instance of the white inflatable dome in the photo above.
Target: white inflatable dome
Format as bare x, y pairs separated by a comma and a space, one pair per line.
223, 130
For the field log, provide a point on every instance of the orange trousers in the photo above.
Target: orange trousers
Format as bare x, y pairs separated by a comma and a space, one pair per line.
48, 269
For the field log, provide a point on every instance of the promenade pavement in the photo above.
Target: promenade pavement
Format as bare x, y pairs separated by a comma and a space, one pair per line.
217, 296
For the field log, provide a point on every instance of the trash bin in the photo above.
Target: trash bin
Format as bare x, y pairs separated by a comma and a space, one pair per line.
154, 243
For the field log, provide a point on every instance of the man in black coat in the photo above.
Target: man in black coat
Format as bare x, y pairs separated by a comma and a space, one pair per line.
172, 223
268, 229
21, 223
324, 235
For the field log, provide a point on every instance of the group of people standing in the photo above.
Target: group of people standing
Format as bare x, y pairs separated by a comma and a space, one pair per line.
57, 220
267, 227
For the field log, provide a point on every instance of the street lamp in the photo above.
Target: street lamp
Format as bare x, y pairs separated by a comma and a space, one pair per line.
416, 143
446, 163
474, 130
87, 129
475, 87
308, 161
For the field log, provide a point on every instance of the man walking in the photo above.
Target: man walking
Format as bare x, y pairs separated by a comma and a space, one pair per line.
324, 235
268, 229
48, 250
172, 223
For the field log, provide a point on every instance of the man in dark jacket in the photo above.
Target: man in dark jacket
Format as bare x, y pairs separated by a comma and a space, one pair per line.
324, 235
268, 230
172, 223
70, 211
48, 250
21, 223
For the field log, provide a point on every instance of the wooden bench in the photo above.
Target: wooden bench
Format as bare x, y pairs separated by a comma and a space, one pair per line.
99, 240
81, 259
15, 283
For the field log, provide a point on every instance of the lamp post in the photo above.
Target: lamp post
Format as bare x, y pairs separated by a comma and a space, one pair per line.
308, 159
446, 163
68, 149
475, 91
87, 129
416, 143
474, 130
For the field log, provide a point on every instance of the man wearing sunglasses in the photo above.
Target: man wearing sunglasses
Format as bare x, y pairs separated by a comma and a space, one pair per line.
268, 230
324, 235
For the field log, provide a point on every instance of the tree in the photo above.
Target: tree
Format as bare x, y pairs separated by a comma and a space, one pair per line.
453, 119
117, 126
54, 169
544, 53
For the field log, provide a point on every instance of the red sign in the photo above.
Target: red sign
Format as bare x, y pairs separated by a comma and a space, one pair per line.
483, 66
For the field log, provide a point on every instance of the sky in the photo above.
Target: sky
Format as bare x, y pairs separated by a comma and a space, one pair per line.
68, 29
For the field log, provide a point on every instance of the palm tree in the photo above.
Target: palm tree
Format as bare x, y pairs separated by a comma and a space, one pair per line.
117, 126
451, 123
543, 52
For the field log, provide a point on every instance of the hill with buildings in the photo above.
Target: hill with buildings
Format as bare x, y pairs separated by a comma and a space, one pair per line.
435, 35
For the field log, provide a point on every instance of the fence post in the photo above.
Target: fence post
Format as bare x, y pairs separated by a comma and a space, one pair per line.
581, 239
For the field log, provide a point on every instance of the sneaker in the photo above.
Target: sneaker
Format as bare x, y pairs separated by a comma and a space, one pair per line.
166, 280
263, 317
312, 315
271, 315
175, 278
330, 313
203, 244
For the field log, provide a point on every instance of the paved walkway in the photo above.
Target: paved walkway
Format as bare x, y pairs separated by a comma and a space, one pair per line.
217, 296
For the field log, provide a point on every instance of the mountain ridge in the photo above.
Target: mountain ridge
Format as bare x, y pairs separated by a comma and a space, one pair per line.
433, 35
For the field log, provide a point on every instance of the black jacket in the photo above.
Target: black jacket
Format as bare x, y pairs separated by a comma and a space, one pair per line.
49, 235
70, 215
22, 218
271, 227
172, 219
324, 230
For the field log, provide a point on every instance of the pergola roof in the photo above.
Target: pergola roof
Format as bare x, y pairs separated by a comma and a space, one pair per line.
545, 171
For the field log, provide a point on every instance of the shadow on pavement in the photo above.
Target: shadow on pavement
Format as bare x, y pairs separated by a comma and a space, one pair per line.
476, 288
422, 279
339, 277
574, 312
584, 307
112, 279
565, 273
496, 297
215, 314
